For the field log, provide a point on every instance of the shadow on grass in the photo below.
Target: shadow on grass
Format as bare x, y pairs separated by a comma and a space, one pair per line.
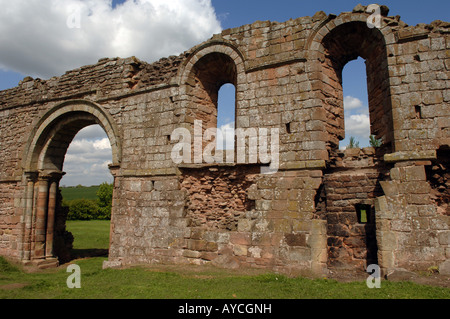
86, 253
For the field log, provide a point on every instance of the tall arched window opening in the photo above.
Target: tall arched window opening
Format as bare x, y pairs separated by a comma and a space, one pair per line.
214, 76
356, 105
226, 117
348, 42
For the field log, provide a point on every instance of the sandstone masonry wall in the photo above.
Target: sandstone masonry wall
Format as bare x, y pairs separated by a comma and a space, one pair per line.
287, 76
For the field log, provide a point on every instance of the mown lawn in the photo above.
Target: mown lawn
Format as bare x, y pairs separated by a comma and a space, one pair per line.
184, 282
89, 234
83, 192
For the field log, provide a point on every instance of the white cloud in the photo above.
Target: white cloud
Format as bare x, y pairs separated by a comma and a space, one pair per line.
45, 38
40, 37
352, 103
102, 144
89, 148
225, 138
357, 125
87, 158
93, 132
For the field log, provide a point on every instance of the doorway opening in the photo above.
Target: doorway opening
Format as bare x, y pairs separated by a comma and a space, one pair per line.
46, 240
86, 190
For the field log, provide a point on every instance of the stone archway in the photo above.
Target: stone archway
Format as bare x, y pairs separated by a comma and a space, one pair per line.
211, 65
44, 222
338, 45
351, 181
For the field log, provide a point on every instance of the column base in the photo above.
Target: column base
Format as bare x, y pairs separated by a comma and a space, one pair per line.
46, 263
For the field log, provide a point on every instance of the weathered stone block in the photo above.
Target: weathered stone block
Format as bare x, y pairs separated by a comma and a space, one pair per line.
415, 187
389, 188
245, 225
240, 250
401, 225
386, 240
440, 222
444, 268
301, 225
297, 254
418, 199
415, 173
444, 237
295, 239
280, 225
240, 239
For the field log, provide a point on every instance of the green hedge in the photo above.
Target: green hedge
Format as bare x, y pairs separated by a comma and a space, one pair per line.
81, 209
87, 209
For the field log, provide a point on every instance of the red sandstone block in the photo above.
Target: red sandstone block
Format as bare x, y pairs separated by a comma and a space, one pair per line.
415, 173
240, 238
262, 239
208, 256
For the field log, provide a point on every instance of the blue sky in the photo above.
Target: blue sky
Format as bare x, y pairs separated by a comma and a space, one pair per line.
42, 44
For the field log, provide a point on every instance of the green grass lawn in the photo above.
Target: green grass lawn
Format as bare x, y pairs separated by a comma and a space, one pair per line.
84, 192
184, 282
89, 234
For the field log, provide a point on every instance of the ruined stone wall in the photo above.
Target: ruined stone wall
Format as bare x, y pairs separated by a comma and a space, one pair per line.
350, 185
9, 221
288, 78
419, 87
411, 233
23, 107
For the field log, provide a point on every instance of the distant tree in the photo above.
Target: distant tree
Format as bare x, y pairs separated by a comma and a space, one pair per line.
81, 209
104, 201
353, 143
374, 142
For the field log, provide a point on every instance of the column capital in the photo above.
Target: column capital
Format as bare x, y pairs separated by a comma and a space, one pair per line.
114, 169
51, 176
31, 176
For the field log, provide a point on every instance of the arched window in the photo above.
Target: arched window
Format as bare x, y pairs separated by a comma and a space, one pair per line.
226, 117
356, 105
348, 42
214, 77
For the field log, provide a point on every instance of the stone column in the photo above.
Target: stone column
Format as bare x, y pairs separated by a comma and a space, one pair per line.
41, 217
28, 216
52, 195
